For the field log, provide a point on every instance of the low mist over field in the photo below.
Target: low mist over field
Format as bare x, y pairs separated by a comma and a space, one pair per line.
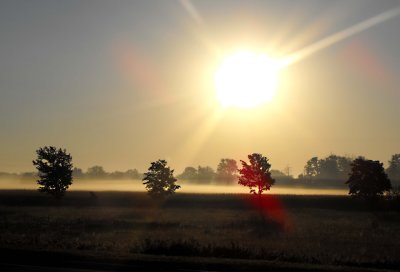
187, 187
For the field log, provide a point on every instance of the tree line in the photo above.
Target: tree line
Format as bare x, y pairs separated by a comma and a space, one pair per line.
334, 170
226, 173
98, 172
94, 172
366, 178
331, 171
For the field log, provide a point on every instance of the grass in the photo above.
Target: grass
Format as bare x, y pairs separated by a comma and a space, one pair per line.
333, 230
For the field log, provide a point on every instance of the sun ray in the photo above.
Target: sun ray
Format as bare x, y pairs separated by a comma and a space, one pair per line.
206, 128
198, 137
339, 36
191, 9
200, 30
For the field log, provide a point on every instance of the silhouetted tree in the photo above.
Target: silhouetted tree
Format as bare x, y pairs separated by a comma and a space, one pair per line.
394, 197
133, 174
311, 170
190, 173
117, 175
287, 171
128, 174
393, 170
329, 169
96, 172
282, 177
334, 167
28, 175
160, 180
205, 174
344, 166
368, 179
226, 170
54, 170
277, 173
256, 175
77, 172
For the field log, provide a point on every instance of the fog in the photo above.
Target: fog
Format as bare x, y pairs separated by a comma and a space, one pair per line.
137, 186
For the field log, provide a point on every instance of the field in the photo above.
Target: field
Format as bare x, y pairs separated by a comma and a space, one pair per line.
323, 230
127, 185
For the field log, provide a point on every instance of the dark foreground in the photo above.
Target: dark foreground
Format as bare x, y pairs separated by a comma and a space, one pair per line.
124, 231
23, 260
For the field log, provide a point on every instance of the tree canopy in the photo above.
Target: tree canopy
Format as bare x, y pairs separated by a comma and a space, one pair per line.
256, 175
54, 170
190, 173
393, 170
96, 172
205, 174
368, 178
160, 180
330, 168
227, 170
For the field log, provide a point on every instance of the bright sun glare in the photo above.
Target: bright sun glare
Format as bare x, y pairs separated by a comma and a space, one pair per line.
246, 80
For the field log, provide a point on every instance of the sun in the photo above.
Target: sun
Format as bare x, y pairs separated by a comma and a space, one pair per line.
246, 80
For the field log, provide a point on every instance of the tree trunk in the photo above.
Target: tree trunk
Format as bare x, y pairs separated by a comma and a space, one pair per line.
260, 207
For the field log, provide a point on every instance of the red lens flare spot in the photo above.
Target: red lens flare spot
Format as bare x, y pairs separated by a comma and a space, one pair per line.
271, 207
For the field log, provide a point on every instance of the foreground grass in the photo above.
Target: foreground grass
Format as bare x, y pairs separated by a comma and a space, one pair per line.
307, 229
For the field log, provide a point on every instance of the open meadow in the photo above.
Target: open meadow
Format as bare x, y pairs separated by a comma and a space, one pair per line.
326, 230
136, 185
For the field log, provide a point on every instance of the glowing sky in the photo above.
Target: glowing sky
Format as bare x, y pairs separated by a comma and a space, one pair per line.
124, 83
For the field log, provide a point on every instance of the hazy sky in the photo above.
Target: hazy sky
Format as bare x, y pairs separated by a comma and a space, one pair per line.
124, 83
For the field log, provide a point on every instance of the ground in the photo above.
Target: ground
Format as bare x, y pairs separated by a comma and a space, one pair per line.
304, 230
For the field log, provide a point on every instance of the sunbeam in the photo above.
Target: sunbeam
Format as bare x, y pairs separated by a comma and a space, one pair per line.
190, 8
339, 36
198, 137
